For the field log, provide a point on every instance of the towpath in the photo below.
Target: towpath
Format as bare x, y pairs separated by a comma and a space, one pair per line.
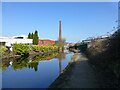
81, 75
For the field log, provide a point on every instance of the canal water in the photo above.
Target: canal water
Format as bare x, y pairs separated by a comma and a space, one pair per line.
34, 72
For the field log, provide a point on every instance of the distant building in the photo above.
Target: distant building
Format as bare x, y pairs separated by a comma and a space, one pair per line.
20, 37
86, 41
45, 42
71, 44
8, 41
89, 42
104, 37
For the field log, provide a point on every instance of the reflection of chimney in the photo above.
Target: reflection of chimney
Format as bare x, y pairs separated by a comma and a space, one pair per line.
60, 30
60, 65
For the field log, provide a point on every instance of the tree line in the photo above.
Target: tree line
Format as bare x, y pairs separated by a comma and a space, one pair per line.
34, 36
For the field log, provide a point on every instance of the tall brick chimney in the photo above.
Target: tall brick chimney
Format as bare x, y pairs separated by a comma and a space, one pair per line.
60, 30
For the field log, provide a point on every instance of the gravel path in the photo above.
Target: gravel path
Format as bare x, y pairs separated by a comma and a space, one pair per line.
80, 74
83, 75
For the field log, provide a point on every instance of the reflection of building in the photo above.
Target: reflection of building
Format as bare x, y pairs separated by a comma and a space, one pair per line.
8, 41
48, 59
46, 42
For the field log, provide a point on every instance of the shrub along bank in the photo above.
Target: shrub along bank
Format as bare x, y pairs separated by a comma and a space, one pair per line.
3, 49
37, 48
22, 49
106, 55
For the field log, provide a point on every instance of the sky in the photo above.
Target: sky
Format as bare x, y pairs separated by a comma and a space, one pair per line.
80, 20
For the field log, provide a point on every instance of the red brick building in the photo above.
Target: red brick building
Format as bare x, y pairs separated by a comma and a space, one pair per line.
45, 42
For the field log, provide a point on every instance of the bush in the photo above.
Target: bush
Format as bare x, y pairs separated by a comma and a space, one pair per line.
106, 54
20, 49
44, 48
3, 49
36, 48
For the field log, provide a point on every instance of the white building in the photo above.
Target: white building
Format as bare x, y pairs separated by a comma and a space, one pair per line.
8, 41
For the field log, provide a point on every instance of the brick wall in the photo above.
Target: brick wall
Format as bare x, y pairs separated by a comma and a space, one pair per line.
45, 42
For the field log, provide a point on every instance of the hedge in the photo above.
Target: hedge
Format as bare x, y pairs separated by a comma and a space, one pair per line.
3, 49
23, 49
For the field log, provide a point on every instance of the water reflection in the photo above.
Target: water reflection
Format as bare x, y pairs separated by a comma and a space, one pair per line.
32, 62
62, 56
34, 71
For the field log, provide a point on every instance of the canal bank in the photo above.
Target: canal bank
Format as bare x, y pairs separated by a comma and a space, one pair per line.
81, 74
10, 55
24, 50
34, 72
